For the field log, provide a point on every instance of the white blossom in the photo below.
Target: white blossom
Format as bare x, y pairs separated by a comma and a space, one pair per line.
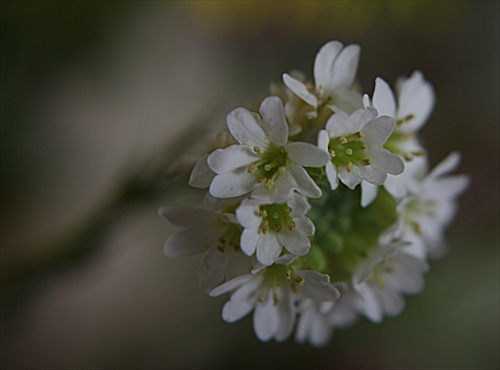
354, 143
335, 69
211, 232
431, 206
273, 294
268, 227
263, 163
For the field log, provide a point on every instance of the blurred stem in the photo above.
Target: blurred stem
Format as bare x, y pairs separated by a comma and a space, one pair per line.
144, 185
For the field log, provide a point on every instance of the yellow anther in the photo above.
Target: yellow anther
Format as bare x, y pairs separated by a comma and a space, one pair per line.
332, 152
291, 225
366, 162
288, 210
300, 280
256, 149
281, 170
349, 151
283, 149
264, 227
262, 213
276, 215
408, 157
405, 119
252, 168
416, 226
359, 134
269, 184
362, 145
261, 179
288, 274
349, 167
343, 140
418, 153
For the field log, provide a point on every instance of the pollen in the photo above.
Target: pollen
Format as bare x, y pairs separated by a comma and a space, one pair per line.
343, 140
264, 227
262, 213
291, 225
366, 162
252, 168
332, 153
349, 167
300, 280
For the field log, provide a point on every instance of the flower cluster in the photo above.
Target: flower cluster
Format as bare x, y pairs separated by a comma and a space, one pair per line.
323, 209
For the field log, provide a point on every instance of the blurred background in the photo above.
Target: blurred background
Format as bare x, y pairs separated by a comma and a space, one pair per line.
99, 100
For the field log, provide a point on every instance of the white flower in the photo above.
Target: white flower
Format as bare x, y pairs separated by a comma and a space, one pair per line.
263, 163
415, 101
273, 294
334, 73
268, 227
210, 232
355, 145
380, 292
430, 207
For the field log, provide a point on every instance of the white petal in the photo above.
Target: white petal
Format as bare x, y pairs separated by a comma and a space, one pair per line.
233, 184
307, 155
242, 301
188, 242
324, 62
273, 120
286, 309
265, 318
368, 193
249, 240
446, 166
416, 97
383, 98
295, 242
345, 67
317, 286
304, 225
378, 131
268, 248
300, 90
201, 175
185, 216
235, 156
350, 179
247, 214
372, 174
323, 140
305, 185
246, 129
231, 285
331, 175
386, 161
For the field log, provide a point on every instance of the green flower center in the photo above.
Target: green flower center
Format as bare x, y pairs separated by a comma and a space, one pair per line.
276, 217
271, 164
347, 151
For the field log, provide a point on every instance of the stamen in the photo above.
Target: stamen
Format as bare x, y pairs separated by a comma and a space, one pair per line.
408, 157
222, 240
288, 210
269, 184
332, 153
362, 145
275, 299
283, 149
291, 225
252, 168
261, 179
281, 170
343, 140
359, 134
409, 117
256, 149
349, 167
276, 227
264, 227
300, 280
366, 162
262, 295
416, 226
262, 213
288, 274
